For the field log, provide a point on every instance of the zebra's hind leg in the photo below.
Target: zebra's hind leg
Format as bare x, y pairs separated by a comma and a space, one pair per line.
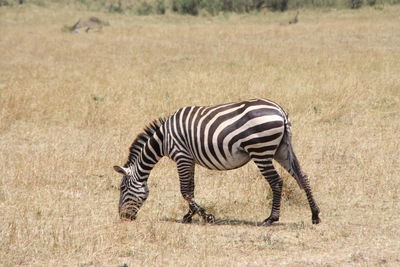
287, 158
275, 181
186, 178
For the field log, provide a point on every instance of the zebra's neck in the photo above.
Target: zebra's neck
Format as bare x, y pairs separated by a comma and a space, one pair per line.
146, 153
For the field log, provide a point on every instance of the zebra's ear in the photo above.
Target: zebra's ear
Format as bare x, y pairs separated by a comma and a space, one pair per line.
121, 170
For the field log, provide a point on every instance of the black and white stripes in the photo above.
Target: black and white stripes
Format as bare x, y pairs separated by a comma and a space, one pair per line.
220, 137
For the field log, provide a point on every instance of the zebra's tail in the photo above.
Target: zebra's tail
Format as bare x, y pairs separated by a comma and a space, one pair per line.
287, 158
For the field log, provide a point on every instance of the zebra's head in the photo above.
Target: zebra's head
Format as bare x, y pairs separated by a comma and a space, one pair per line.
133, 193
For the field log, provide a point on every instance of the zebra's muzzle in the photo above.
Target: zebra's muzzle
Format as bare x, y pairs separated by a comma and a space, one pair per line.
127, 216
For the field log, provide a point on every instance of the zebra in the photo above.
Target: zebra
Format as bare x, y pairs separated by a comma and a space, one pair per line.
219, 137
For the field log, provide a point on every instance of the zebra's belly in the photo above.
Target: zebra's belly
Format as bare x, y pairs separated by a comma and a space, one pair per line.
233, 160
236, 160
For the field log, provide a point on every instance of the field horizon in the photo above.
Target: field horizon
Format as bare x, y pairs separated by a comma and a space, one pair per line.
71, 105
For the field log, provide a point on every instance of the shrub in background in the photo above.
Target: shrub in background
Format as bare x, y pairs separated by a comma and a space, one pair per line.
295, 4
193, 7
144, 9
190, 7
354, 4
11, 2
116, 7
238, 6
4, 3
160, 7
275, 5
213, 7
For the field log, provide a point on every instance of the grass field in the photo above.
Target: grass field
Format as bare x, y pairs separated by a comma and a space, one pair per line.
71, 104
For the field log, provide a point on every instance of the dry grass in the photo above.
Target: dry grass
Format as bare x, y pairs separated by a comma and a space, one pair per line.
71, 104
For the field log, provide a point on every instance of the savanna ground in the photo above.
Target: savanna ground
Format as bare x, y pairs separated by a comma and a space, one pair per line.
71, 104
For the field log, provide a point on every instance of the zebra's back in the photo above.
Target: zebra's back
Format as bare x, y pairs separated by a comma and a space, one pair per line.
226, 136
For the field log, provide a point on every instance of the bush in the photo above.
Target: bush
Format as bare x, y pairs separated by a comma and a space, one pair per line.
144, 9
211, 6
239, 6
355, 4
11, 2
116, 8
281, 5
4, 3
190, 7
195, 7
160, 7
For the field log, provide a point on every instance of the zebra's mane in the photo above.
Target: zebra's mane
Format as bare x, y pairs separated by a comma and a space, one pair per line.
141, 139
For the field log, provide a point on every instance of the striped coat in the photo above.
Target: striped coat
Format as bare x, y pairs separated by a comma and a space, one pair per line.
220, 137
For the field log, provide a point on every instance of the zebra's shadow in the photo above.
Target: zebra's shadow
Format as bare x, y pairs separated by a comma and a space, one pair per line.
224, 221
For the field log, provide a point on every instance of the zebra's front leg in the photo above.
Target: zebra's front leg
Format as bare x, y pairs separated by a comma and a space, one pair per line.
195, 208
207, 217
276, 182
186, 179
188, 216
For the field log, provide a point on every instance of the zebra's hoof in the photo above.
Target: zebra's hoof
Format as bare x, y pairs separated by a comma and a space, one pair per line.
316, 220
269, 221
315, 216
209, 218
187, 219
